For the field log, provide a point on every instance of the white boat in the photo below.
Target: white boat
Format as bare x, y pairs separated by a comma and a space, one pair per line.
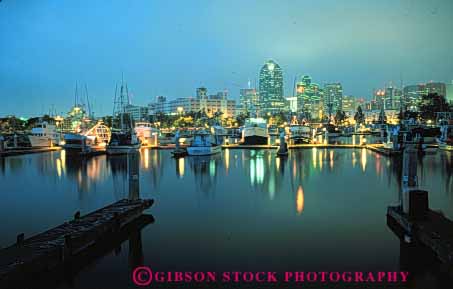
44, 135
123, 143
146, 133
166, 138
219, 133
255, 132
299, 134
203, 145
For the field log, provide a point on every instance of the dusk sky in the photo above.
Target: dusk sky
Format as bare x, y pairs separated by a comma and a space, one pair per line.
170, 48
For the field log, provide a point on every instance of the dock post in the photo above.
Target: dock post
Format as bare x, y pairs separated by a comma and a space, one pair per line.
409, 180
283, 147
77, 216
20, 240
177, 140
67, 249
136, 257
418, 205
133, 172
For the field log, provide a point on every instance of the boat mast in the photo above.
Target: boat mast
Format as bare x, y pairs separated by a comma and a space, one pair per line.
121, 104
88, 101
76, 94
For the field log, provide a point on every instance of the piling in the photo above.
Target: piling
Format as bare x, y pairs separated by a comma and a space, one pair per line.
409, 180
283, 147
133, 167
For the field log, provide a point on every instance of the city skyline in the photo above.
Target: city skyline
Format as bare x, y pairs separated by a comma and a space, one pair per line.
171, 52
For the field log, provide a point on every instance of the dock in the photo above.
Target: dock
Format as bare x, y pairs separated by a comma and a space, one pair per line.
53, 249
24, 151
434, 231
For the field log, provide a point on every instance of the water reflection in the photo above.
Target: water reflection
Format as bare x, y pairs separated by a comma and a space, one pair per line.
130, 236
180, 166
204, 169
447, 170
237, 185
363, 159
300, 200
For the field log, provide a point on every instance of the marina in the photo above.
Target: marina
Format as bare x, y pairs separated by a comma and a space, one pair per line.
201, 186
226, 144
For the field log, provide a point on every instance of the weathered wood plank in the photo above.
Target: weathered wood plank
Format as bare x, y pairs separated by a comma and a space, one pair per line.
54, 247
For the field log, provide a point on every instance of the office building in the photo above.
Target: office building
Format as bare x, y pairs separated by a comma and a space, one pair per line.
271, 87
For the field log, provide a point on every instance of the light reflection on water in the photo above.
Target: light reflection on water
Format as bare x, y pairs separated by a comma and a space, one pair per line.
241, 210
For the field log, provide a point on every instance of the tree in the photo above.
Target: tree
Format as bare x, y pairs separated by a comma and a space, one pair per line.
240, 119
382, 116
431, 104
359, 117
340, 116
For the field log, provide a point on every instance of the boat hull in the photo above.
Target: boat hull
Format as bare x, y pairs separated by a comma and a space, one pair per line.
203, 151
121, 149
255, 136
300, 140
255, 140
40, 141
445, 147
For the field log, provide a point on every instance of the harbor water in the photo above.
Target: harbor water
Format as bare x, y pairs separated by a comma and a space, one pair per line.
241, 210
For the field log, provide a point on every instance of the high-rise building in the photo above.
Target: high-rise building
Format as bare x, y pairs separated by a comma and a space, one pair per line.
449, 96
137, 113
271, 87
392, 97
249, 99
158, 106
436, 88
202, 93
333, 97
219, 95
309, 97
412, 95
349, 104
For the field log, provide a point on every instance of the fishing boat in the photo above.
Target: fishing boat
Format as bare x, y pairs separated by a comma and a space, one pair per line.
75, 143
89, 140
44, 135
124, 139
146, 133
123, 142
166, 138
255, 132
202, 145
332, 130
299, 134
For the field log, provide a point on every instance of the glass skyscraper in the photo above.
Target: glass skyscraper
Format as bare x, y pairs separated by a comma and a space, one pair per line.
333, 96
309, 97
271, 87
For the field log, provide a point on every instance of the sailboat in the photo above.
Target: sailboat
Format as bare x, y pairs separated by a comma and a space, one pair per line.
124, 139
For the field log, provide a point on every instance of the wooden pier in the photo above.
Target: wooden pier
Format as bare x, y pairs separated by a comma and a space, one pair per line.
431, 229
56, 247
23, 151
412, 220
